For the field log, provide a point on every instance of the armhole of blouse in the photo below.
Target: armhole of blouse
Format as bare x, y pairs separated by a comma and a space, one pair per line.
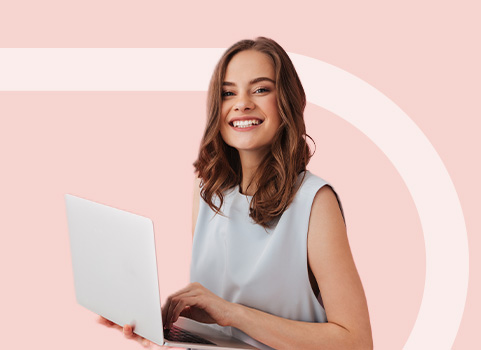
338, 201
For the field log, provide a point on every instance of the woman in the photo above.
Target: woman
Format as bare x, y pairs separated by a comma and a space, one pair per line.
270, 257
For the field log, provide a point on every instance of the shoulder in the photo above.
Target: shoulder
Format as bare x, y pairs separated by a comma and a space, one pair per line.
308, 184
321, 194
326, 206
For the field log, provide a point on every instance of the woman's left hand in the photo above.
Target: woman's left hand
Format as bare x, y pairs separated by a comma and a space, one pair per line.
199, 304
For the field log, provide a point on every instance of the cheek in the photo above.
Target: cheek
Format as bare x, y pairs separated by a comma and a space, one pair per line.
223, 115
271, 106
223, 128
225, 106
274, 113
223, 120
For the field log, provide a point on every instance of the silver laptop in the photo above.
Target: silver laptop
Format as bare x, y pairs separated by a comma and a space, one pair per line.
115, 275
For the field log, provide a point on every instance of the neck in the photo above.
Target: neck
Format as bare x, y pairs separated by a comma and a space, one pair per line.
250, 163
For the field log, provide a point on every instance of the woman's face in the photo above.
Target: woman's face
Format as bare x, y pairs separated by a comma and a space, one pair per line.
249, 116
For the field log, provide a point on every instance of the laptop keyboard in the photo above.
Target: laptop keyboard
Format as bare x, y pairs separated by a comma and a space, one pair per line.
181, 335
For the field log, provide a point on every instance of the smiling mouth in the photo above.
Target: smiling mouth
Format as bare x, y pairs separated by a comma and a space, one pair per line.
241, 124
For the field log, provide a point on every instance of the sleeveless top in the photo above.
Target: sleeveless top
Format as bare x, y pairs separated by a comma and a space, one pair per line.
266, 269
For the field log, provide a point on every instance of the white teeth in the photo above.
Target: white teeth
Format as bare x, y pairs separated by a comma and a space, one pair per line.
245, 123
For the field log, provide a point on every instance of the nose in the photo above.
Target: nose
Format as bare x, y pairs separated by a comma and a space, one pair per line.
243, 103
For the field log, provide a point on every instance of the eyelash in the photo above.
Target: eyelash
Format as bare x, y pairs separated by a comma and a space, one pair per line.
224, 93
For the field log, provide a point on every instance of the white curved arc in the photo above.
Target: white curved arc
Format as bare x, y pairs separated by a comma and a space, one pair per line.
442, 220
380, 119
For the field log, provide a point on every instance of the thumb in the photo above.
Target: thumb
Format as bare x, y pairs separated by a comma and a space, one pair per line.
128, 331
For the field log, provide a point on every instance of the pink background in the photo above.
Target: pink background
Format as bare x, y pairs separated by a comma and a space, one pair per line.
133, 150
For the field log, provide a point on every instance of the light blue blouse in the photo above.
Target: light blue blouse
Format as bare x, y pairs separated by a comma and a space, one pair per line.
265, 269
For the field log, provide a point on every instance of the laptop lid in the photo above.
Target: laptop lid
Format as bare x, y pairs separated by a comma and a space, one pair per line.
114, 263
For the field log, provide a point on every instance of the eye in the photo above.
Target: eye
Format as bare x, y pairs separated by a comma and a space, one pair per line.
227, 93
261, 90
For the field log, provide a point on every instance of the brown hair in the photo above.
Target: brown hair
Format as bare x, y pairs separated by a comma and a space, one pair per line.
218, 164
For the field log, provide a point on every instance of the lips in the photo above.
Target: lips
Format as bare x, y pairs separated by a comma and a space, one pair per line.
245, 122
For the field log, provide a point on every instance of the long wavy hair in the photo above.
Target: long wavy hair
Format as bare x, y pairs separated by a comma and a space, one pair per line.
218, 164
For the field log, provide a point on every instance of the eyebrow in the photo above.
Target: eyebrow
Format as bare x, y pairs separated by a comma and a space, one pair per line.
253, 81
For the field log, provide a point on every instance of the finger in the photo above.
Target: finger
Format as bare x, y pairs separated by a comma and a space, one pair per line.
173, 305
190, 290
173, 301
181, 303
145, 343
185, 304
102, 320
168, 315
173, 316
187, 289
165, 309
128, 331
186, 312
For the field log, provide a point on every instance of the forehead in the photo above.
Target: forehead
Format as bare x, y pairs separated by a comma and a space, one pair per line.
249, 64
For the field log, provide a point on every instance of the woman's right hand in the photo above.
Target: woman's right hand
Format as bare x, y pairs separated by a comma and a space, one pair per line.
199, 304
128, 332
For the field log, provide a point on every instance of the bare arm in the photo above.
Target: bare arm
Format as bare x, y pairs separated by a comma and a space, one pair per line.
331, 262
195, 204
